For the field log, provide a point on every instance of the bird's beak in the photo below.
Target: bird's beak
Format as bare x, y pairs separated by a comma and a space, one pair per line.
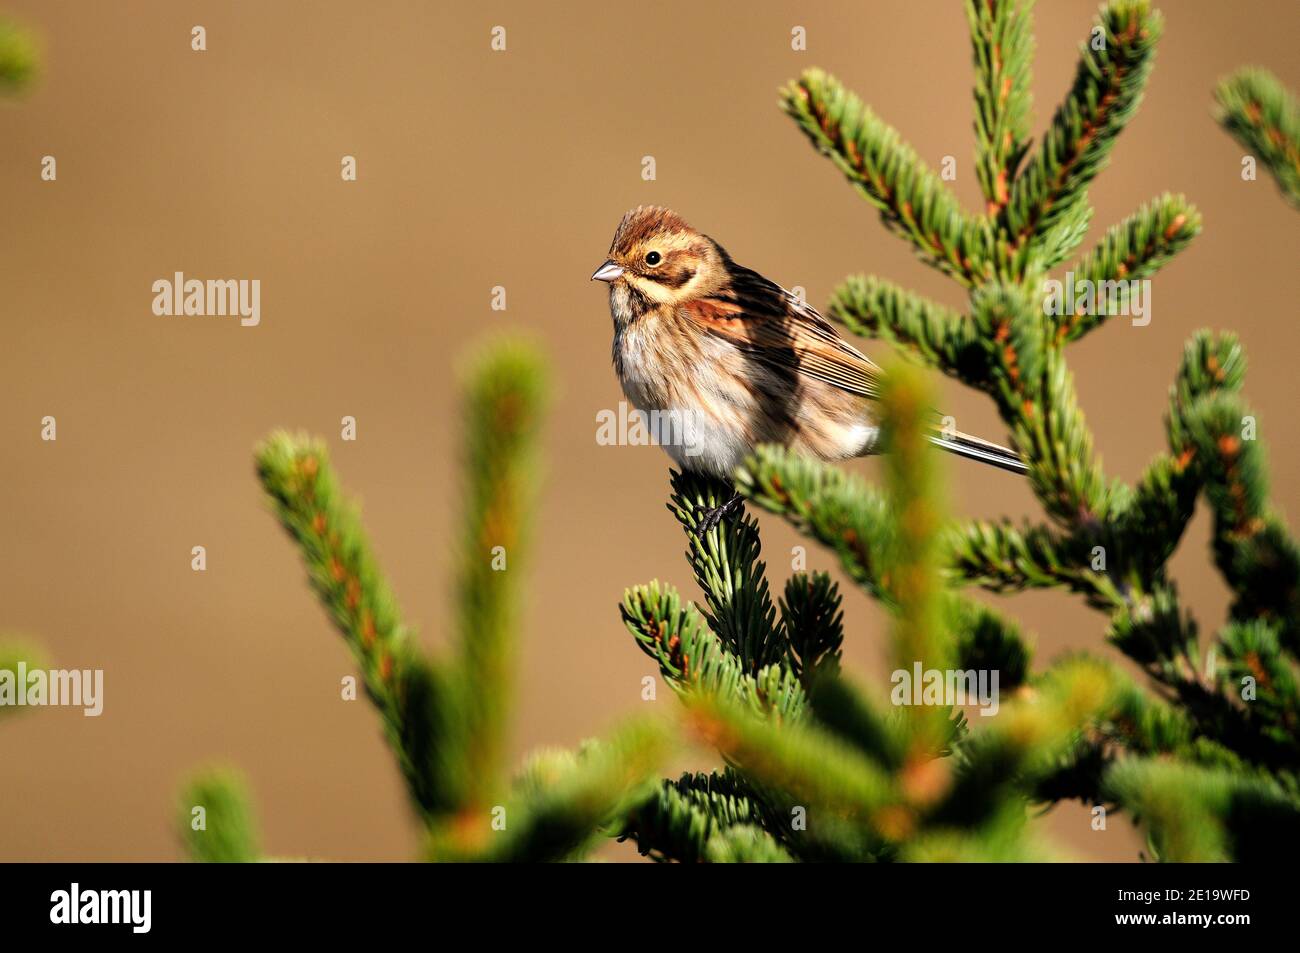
607, 272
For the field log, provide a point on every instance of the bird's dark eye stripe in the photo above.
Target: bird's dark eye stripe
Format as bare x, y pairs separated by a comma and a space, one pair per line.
677, 279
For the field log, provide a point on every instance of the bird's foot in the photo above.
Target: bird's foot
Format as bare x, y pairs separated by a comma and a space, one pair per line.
710, 516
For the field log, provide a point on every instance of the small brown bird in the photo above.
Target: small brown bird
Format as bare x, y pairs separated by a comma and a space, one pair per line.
724, 359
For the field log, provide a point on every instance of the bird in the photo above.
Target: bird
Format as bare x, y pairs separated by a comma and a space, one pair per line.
725, 359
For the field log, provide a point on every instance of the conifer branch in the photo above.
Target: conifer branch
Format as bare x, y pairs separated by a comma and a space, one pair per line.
296, 474
1036, 396
1256, 554
1154, 631
745, 844
939, 336
11, 655
813, 625
692, 659
1028, 742
1133, 250
856, 718
913, 202
1262, 115
1134, 724
1199, 814
905, 785
1056, 244
808, 764
1002, 558
727, 567
445, 719
18, 58
1024, 749
505, 399
1003, 46
561, 802
215, 819
1253, 654
987, 642
1149, 527
831, 506
915, 547
1107, 90
1163, 499
842, 512
680, 819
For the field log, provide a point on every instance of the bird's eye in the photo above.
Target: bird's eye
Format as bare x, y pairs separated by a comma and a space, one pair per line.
652, 258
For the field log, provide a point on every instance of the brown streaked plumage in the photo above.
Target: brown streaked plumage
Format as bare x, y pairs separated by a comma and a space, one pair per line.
738, 359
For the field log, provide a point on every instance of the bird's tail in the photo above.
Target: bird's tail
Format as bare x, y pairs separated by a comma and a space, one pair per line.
973, 448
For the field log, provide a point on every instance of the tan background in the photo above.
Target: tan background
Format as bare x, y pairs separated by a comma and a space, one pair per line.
476, 169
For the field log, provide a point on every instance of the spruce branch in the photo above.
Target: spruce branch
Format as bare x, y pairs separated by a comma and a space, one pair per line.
1157, 634
1143, 724
1253, 655
1253, 549
1027, 743
999, 842
745, 844
1135, 723
939, 336
913, 202
855, 718
987, 642
1164, 498
1065, 472
680, 819
1153, 631
838, 510
1036, 396
1107, 90
813, 625
505, 399
731, 575
1200, 814
833, 507
692, 658
215, 820
1056, 244
1261, 114
1003, 47
905, 785
915, 546
1133, 250
560, 803
296, 473
18, 57
1211, 363
808, 764
445, 718
1263, 569
421, 703
1001, 557
1149, 527
12, 654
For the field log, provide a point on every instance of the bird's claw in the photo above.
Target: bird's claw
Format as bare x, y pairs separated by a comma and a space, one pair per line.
708, 517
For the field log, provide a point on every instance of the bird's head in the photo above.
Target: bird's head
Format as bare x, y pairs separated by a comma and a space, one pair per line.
660, 257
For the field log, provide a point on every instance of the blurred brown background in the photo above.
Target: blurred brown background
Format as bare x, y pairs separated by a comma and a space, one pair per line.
477, 169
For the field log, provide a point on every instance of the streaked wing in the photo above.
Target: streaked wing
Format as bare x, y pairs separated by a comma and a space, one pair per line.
770, 325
